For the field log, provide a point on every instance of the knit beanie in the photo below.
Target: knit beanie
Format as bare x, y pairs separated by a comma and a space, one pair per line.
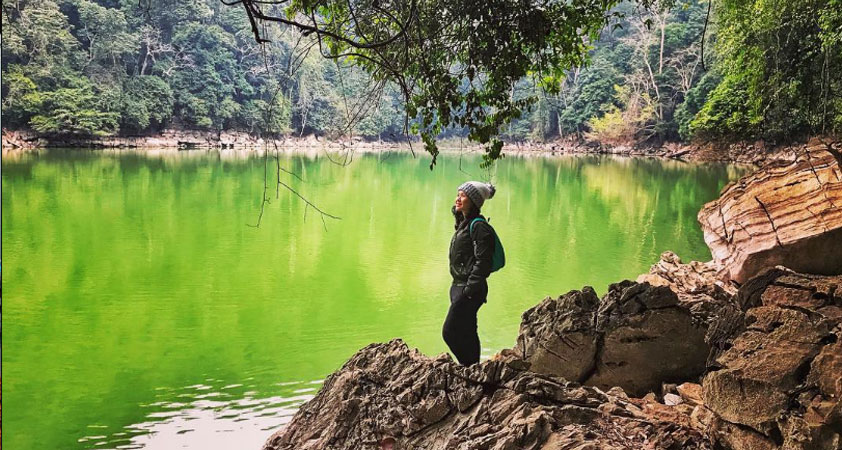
477, 191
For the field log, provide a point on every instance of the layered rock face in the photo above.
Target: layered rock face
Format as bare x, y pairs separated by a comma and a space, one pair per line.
627, 339
789, 214
779, 382
390, 397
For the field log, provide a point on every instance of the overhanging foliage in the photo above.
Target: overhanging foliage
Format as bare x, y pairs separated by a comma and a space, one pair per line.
455, 61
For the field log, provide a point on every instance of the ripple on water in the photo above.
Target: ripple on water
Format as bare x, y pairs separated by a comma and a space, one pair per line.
206, 418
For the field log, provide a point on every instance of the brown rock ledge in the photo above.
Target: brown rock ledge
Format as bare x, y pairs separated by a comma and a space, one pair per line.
773, 381
388, 396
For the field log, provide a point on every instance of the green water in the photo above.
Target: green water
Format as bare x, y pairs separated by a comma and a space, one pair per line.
140, 309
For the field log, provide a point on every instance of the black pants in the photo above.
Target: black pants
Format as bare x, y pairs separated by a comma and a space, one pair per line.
460, 326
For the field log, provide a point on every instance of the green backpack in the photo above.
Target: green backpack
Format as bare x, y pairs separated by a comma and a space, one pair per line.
498, 259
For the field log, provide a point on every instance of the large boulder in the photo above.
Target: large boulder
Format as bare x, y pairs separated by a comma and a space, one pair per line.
779, 380
626, 339
390, 397
786, 214
641, 348
708, 298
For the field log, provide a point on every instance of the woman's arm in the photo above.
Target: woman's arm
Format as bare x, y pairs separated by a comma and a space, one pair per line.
483, 240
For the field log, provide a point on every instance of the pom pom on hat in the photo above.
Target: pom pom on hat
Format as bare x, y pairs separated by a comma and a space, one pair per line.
478, 191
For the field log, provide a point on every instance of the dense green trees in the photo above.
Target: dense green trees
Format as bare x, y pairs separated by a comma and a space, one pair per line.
642, 70
772, 69
109, 66
781, 62
455, 63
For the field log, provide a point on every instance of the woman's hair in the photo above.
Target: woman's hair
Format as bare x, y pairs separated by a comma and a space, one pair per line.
459, 217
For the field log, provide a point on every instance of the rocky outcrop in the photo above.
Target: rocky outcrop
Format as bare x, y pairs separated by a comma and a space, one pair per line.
768, 355
626, 339
782, 214
390, 397
774, 381
21, 140
779, 382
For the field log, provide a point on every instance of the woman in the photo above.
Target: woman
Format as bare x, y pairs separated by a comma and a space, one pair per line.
471, 250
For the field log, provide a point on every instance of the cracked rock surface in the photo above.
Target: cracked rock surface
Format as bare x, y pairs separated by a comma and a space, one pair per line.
390, 397
786, 214
778, 383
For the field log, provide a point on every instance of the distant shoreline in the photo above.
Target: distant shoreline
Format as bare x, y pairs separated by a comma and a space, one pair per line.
757, 153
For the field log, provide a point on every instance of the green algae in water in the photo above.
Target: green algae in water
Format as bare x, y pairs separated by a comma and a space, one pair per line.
141, 309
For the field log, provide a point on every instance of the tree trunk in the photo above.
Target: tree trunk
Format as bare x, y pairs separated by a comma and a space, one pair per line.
145, 62
663, 21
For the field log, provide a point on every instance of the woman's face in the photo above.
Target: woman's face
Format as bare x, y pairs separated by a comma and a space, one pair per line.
463, 202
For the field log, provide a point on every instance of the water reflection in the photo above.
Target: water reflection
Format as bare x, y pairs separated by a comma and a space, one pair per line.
205, 418
125, 271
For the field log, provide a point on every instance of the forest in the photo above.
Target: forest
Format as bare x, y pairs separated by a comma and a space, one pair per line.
675, 72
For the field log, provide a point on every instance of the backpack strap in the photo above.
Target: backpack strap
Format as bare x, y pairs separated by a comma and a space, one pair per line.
471, 227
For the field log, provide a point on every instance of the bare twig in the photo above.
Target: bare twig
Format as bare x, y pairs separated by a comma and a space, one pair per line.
461, 150
268, 134
704, 32
309, 203
265, 188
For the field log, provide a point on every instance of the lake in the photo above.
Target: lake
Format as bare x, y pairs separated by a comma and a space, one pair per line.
143, 309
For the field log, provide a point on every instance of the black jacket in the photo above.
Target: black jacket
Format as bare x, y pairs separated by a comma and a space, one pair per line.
470, 254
